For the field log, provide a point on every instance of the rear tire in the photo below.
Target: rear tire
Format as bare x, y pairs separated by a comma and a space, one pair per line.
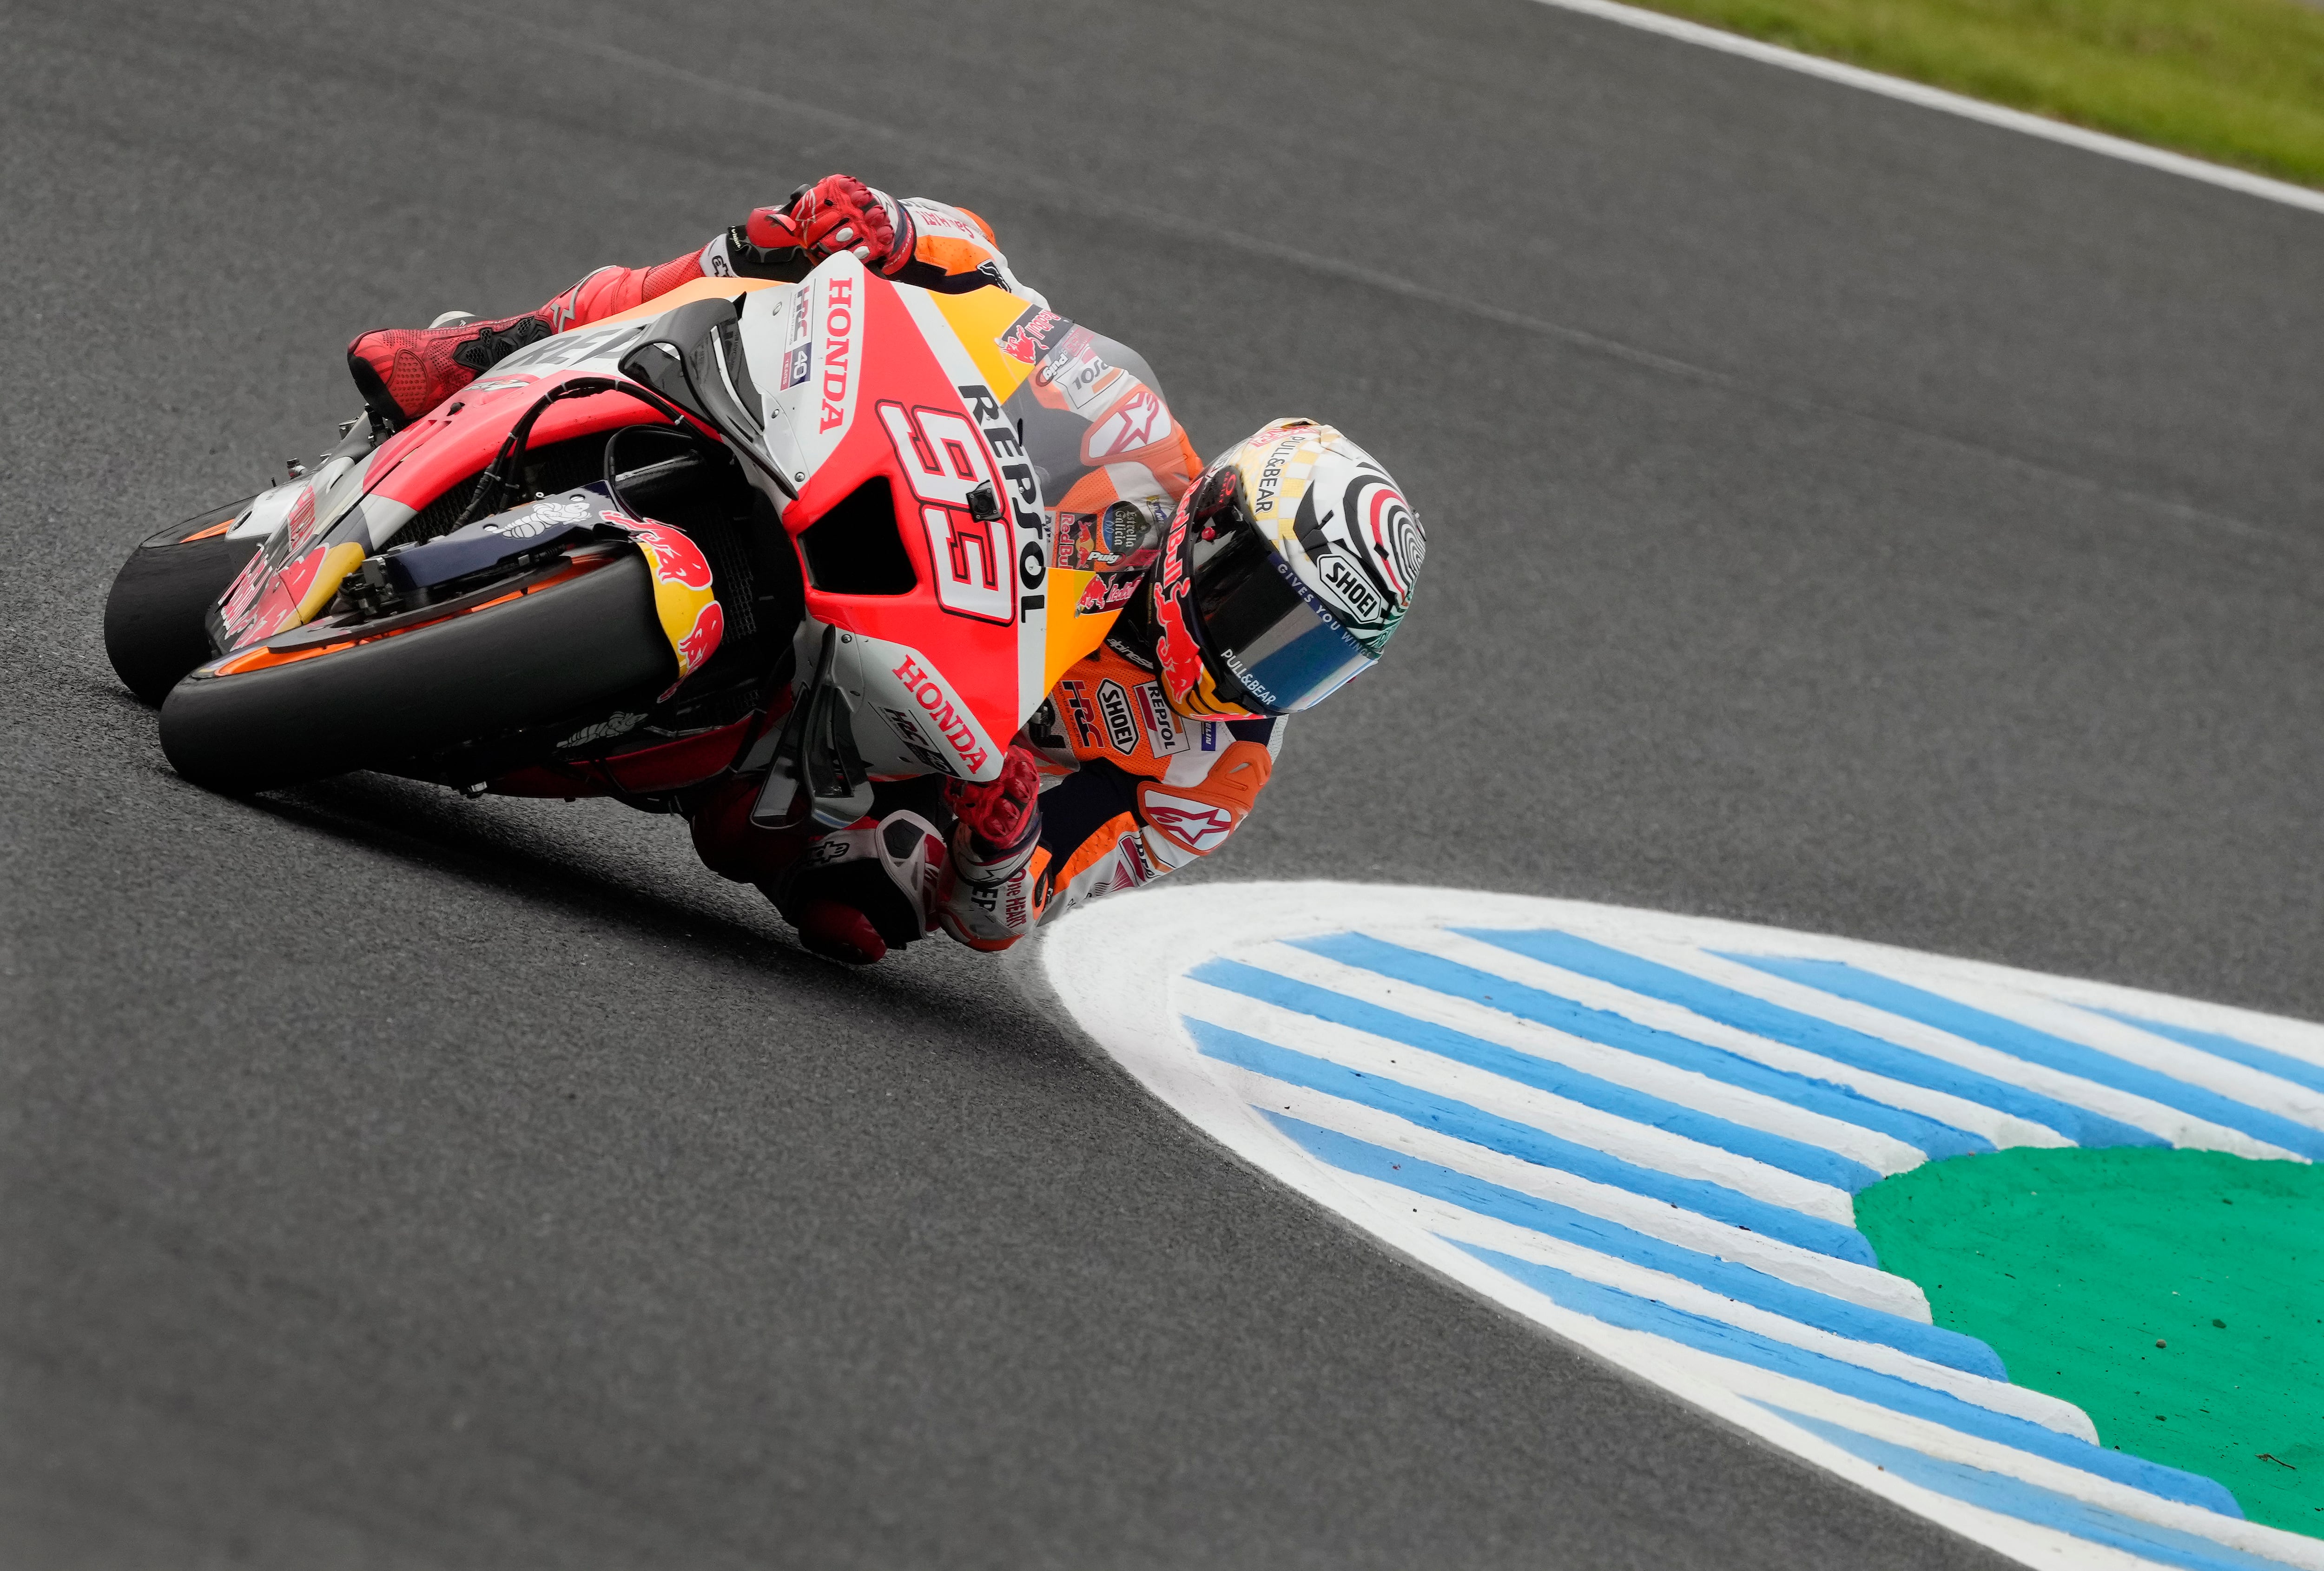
589, 643
153, 618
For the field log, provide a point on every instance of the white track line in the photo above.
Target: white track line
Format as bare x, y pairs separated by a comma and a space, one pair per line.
1457, 1226
2002, 1128
1616, 1135
1937, 98
1683, 1087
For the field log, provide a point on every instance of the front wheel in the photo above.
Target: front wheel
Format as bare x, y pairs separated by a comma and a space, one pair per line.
578, 636
153, 618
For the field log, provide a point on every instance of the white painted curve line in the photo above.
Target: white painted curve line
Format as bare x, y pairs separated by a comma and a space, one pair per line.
1616, 1136
1681, 1087
1467, 1228
1943, 102
2000, 1128
2073, 1091
1521, 1095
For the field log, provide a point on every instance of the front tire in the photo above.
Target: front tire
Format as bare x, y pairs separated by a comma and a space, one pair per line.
153, 618
564, 645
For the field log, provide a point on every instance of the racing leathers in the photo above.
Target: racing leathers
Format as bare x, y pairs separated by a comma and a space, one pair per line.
1130, 787
405, 372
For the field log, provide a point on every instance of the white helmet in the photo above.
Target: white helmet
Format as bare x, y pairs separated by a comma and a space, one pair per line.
1288, 564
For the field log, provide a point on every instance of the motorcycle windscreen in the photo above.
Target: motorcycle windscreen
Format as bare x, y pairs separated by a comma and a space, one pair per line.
1275, 641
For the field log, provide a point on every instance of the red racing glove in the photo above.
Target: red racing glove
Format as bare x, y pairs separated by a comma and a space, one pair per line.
1003, 814
771, 229
838, 213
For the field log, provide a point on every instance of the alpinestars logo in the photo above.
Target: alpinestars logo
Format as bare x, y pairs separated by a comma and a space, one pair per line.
1199, 826
1136, 420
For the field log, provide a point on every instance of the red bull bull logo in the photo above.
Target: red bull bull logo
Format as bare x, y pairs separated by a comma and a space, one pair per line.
675, 558
1180, 656
690, 615
701, 641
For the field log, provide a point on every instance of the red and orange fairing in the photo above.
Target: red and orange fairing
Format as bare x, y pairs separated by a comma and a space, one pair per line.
1136, 788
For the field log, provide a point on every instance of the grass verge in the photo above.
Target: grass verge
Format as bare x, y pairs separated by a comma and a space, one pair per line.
2177, 1297
2236, 81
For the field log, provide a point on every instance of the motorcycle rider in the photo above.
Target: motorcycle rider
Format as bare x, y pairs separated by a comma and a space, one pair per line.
405, 372
1249, 589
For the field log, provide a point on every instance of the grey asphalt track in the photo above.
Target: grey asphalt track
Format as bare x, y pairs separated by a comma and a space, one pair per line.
1844, 516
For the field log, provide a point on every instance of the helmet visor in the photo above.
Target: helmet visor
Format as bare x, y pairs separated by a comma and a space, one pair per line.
1271, 645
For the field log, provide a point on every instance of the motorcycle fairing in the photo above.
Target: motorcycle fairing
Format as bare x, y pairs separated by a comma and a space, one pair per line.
843, 379
1038, 478
444, 447
866, 385
864, 379
310, 548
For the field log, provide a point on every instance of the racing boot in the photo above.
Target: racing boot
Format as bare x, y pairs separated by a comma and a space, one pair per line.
402, 373
731, 845
866, 889
837, 932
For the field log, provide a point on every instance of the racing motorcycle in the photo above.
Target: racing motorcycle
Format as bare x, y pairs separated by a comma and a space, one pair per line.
752, 525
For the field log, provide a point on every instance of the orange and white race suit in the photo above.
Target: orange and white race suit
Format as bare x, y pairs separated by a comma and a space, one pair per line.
1132, 788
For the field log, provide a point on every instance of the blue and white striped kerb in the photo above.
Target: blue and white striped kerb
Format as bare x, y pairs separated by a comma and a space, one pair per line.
1645, 1132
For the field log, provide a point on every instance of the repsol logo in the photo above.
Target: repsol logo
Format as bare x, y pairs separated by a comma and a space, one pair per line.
948, 722
1162, 728
838, 350
1024, 494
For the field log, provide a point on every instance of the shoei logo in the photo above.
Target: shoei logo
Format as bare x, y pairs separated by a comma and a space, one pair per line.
1120, 726
1345, 585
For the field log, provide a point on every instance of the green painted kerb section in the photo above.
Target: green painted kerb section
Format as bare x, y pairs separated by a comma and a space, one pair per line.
2177, 1297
